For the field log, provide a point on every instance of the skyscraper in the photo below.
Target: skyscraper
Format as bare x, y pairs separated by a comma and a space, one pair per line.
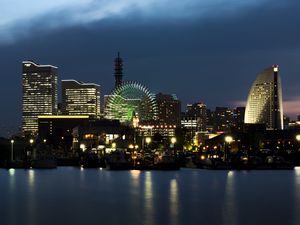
169, 109
118, 71
39, 83
80, 98
264, 104
222, 119
198, 111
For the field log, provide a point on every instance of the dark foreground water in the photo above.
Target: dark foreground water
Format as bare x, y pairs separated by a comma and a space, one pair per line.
72, 196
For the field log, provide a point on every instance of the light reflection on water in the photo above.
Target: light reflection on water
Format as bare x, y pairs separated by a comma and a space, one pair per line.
297, 194
230, 215
12, 197
185, 197
174, 202
148, 210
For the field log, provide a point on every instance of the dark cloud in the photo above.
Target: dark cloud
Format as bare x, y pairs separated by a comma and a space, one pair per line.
213, 59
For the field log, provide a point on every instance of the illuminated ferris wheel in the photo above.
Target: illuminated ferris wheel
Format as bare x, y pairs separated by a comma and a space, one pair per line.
131, 99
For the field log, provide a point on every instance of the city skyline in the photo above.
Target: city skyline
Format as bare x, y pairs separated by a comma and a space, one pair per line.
196, 54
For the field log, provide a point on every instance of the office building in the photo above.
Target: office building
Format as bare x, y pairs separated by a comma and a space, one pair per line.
264, 104
80, 98
169, 109
39, 83
198, 113
223, 119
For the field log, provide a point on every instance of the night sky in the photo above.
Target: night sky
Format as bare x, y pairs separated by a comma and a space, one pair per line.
201, 50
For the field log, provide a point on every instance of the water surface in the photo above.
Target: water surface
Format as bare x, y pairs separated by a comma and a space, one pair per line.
186, 197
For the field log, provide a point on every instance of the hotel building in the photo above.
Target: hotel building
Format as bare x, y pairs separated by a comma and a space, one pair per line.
264, 104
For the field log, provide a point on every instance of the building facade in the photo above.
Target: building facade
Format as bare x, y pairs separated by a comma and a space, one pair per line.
169, 109
223, 119
198, 112
264, 104
80, 98
39, 84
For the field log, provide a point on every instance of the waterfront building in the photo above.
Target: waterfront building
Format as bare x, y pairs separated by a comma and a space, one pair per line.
39, 84
80, 98
101, 134
152, 128
169, 109
264, 104
56, 130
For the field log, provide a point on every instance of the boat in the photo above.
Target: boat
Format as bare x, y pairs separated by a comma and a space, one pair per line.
44, 164
165, 161
216, 164
117, 160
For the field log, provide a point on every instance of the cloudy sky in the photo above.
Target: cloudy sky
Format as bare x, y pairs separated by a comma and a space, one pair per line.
202, 50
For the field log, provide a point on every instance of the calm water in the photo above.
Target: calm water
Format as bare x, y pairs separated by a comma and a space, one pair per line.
93, 196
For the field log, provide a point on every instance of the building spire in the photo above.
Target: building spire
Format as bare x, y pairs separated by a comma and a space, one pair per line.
118, 71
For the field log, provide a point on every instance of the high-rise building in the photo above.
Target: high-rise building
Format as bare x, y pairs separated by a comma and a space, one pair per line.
223, 119
39, 84
264, 104
169, 109
198, 112
80, 98
118, 71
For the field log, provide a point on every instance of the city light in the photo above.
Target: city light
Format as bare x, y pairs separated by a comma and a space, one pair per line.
82, 147
228, 139
173, 140
148, 140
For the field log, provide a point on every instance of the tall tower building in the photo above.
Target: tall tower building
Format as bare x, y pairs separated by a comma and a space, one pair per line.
39, 83
118, 71
80, 98
264, 104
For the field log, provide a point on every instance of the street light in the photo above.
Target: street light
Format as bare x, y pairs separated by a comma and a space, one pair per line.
12, 149
82, 147
298, 138
148, 140
31, 153
173, 140
228, 140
